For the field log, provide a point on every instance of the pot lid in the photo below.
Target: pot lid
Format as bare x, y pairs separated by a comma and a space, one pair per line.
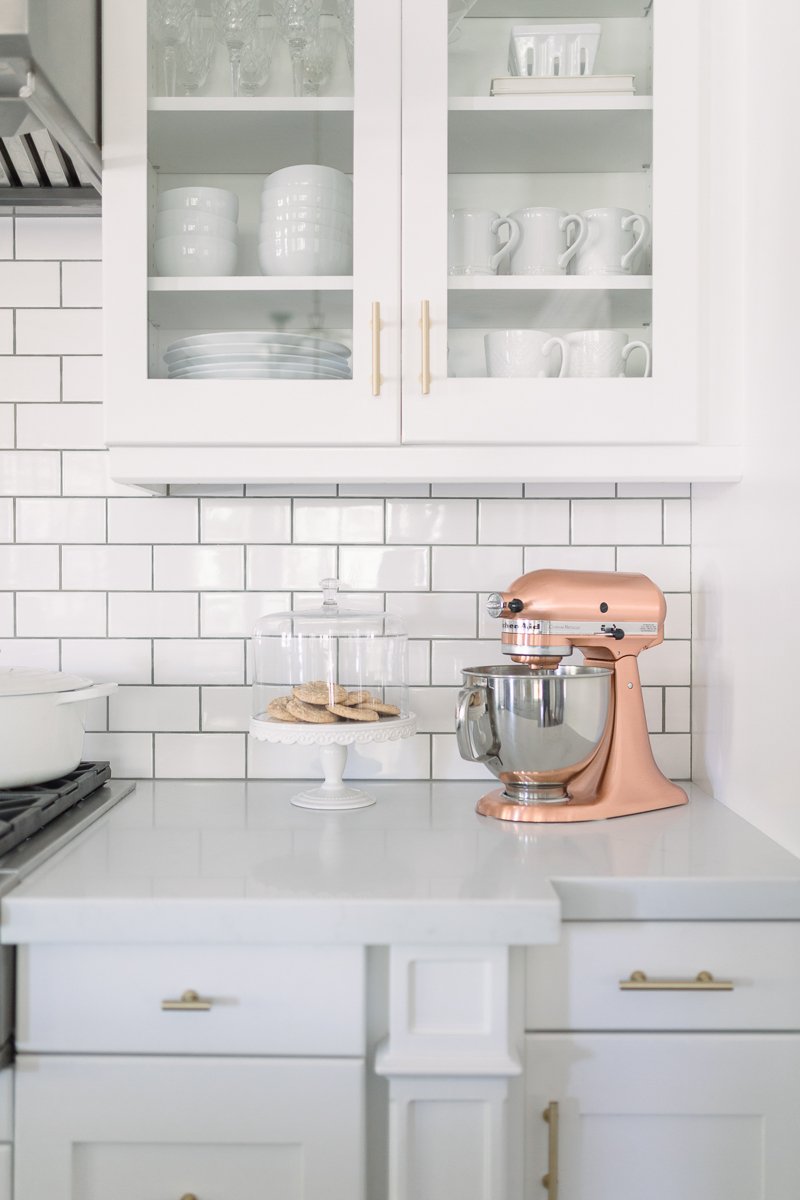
24, 681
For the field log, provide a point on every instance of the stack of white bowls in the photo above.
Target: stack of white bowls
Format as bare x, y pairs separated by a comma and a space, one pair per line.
306, 222
196, 231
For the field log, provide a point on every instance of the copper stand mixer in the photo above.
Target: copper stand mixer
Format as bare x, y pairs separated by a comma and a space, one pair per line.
568, 743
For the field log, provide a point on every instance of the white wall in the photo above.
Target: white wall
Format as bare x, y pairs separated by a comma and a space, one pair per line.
746, 538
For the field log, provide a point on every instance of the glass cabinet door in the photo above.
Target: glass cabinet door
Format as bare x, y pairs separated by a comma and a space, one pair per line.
551, 265
251, 222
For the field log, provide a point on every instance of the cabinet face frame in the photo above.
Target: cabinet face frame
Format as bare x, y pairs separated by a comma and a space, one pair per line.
663, 409
144, 411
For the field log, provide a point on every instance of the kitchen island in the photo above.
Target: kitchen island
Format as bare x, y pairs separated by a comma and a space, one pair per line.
383, 1002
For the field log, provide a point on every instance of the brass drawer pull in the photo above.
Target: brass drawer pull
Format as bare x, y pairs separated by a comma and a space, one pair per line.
189, 1002
188, 1196
704, 982
550, 1180
376, 348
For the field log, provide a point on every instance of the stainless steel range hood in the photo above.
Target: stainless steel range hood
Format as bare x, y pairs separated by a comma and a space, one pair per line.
49, 101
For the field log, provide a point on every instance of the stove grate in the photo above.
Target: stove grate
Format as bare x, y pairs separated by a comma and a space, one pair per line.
24, 810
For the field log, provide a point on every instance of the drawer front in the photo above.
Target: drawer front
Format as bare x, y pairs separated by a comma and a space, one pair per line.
263, 999
576, 984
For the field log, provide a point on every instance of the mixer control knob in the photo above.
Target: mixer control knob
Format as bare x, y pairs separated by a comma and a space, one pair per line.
612, 631
494, 604
516, 606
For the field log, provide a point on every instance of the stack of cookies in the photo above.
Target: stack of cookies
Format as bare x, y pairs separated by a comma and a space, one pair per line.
323, 703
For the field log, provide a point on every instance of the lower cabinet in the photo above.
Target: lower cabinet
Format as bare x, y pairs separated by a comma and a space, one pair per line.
89, 1128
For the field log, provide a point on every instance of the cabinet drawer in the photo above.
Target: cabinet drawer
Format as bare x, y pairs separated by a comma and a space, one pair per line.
576, 984
263, 999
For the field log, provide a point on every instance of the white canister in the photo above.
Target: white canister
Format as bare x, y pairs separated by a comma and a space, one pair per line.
616, 239
473, 243
549, 239
523, 354
601, 354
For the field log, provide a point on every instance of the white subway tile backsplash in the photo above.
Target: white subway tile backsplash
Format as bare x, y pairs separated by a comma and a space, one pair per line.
673, 754
6, 520
568, 558
59, 330
677, 710
666, 665
30, 284
384, 567
206, 662
419, 663
7, 426
28, 568
451, 522
6, 614
61, 614
435, 614
434, 707
30, 473
677, 522
131, 754
109, 660
289, 568
475, 568
152, 614
678, 623
225, 709
570, 491
668, 566
60, 520
58, 237
450, 658
471, 490
616, 522
6, 330
153, 520
82, 378
81, 285
406, 759
6, 237
320, 521
85, 473
101, 568
199, 755
25, 379
448, 763
245, 520
654, 708
234, 614
202, 568
290, 489
383, 489
60, 427
144, 709
30, 652
532, 522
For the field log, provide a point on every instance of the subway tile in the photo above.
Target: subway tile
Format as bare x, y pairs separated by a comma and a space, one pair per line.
96, 715
434, 708
365, 602
570, 491
452, 522
28, 379
337, 521
29, 568
408, 758
30, 473
59, 330
678, 623
245, 520
199, 755
6, 331
6, 614
616, 522
130, 754
109, 660
30, 284
384, 567
509, 522
6, 520
85, 473
568, 558
7, 426
435, 614
206, 662
234, 614
287, 568
61, 614
666, 665
142, 709
81, 285
677, 522
384, 489
450, 658
60, 520
82, 378
419, 663
30, 652
448, 763
653, 698
677, 710
667, 566
225, 709
475, 568
65, 427
673, 754
156, 520
107, 568
6, 237
470, 490
654, 489
203, 568
152, 614
58, 237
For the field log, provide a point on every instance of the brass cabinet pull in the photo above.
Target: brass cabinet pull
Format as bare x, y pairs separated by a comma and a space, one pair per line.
189, 1002
376, 347
703, 982
425, 326
550, 1180
188, 1196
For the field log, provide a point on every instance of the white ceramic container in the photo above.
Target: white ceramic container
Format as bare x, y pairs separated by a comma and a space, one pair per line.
473, 244
301, 255
334, 224
309, 173
549, 239
602, 354
524, 354
192, 254
306, 196
42, 721
616, 240
176, 221
206, 199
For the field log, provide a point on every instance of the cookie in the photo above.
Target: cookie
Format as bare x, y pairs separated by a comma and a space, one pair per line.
320, 692
353, 712
361, 698
385, 710
310, 713
277, 711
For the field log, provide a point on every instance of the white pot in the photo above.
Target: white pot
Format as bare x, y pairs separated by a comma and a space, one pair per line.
42, 720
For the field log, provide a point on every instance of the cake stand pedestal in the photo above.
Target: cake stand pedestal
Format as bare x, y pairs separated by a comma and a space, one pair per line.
333, 795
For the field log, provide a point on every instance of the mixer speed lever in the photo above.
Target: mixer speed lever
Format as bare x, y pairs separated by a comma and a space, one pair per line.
612, 631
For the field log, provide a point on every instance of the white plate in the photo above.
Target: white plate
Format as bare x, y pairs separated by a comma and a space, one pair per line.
254, 350
248, 357
260, 337
255, 373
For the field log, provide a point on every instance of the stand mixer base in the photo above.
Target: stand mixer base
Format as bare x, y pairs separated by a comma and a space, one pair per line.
498, 805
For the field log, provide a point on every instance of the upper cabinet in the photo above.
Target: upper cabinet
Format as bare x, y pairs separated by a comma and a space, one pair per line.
496, 227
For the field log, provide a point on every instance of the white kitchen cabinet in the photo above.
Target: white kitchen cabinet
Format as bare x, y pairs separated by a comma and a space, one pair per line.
665, 151
150, 1128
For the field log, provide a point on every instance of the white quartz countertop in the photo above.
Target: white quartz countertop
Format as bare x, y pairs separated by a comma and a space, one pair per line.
219, 861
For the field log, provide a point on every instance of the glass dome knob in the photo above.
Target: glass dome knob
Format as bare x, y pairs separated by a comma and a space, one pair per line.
330, 590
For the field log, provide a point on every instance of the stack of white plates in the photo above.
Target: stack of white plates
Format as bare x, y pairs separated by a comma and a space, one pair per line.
306, 222
196, 231
257, 354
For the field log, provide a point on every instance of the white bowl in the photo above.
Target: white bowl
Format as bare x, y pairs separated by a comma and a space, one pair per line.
207, 199
177, 221
281, 199
339, 222
305, 256
192, 254
268, 232
308, 173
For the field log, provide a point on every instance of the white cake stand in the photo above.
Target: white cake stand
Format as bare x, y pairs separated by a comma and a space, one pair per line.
333, 741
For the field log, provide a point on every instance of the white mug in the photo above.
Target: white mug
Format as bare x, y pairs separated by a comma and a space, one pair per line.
601, 354
545, 247
473, 246
523, 354
615, 241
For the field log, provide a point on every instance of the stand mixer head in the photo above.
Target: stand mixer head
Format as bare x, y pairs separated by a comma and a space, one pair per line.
568, 743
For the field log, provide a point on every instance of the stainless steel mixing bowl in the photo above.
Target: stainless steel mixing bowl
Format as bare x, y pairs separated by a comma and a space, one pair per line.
534, 729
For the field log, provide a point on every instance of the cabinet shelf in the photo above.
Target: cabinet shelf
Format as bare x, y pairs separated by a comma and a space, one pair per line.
535, 10
239, 301
549, 134
555, 301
